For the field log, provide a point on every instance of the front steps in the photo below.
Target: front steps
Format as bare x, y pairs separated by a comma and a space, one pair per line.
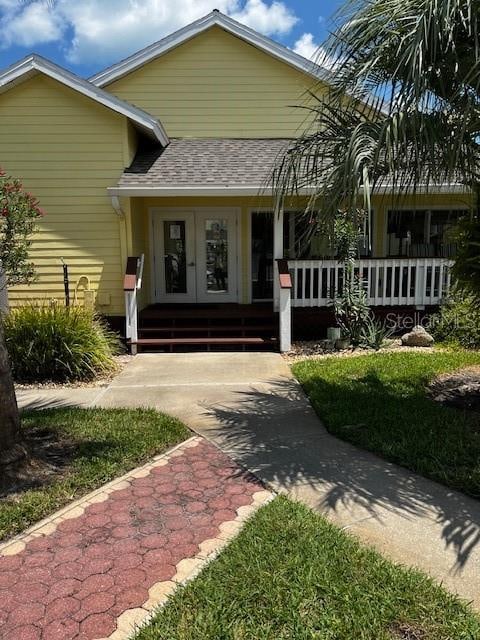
223, 327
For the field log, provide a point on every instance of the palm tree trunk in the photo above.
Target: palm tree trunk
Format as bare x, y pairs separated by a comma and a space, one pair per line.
11, 448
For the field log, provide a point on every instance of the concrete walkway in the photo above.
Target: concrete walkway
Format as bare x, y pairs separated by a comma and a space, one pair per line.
250, 405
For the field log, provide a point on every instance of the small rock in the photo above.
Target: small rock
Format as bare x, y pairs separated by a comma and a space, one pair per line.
418, 337
326, 345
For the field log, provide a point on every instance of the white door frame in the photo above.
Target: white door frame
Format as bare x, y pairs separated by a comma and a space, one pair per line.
199, 214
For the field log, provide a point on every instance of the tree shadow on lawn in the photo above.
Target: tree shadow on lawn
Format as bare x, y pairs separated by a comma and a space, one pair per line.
276, 434
52, 456
52, 452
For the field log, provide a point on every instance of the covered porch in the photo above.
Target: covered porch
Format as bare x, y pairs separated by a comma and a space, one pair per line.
234, 292
204, 245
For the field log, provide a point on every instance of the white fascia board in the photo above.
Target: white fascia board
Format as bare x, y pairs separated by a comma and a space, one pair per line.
24, 69
254, 190
424, 189
215, 18
185, 190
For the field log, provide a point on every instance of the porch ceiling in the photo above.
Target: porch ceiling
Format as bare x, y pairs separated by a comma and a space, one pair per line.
206, 162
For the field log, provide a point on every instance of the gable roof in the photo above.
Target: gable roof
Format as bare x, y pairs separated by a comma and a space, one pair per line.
34, 64
215, 18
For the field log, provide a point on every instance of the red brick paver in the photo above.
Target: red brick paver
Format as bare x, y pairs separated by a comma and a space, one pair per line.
75, 582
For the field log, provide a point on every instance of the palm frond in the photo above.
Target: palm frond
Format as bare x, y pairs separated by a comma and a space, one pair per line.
403, 108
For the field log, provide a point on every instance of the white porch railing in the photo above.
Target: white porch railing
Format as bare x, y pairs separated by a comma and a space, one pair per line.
387, 281
131, 285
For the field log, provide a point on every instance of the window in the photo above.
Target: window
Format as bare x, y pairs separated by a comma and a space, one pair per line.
422, 232
300, 244
262, 255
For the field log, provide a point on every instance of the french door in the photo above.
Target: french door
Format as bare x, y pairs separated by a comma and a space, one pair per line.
195, 255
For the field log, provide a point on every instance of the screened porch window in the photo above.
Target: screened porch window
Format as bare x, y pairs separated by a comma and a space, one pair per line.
422, 233
299, 244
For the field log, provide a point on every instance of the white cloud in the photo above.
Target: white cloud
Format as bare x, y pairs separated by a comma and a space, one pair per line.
275, 18
111, 29
308, 48
33, 24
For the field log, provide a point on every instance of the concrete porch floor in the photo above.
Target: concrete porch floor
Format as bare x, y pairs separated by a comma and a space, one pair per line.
250, 406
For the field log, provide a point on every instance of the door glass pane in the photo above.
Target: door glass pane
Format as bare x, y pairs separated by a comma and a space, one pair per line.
175, 256
216, 239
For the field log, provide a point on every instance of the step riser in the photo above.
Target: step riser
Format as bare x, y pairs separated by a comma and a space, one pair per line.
172, 334
220, 328
206, 344
174, 348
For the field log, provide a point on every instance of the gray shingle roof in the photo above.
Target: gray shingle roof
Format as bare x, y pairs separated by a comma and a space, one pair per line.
206, 161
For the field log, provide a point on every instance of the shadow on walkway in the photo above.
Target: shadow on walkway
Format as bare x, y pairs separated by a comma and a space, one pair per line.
277, 435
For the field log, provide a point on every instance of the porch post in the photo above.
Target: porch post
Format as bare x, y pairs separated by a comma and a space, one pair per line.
277, 255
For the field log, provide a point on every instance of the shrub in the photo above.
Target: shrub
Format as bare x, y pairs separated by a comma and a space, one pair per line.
466, 268
458, 321
374, 333
61, 344
351, 309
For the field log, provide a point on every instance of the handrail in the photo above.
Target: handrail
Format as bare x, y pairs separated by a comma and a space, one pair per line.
387, 281
132, 283
141, 263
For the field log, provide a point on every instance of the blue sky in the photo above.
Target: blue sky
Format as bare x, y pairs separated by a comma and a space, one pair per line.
87, 35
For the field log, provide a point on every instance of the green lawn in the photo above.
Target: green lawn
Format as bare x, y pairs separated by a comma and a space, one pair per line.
102, 444
290, 575
378, 402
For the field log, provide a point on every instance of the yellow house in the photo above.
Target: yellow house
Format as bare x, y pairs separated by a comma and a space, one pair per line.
153, 175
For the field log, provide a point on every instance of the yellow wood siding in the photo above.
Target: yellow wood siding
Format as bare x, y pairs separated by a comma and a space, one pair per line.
67, 150
216, 85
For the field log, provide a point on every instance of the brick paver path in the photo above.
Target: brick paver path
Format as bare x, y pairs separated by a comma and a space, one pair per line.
75, 582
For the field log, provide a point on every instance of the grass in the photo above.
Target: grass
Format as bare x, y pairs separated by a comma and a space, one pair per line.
378, 402
291, 575
100, 444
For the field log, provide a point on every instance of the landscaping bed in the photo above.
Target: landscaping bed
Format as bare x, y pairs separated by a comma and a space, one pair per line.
381, 402
73, 451
315, 350
290, 574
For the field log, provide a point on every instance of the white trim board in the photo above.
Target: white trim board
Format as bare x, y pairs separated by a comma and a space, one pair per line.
215, 18
34, 64
254, 190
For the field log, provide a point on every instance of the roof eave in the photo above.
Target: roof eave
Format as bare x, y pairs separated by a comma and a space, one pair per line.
24, 69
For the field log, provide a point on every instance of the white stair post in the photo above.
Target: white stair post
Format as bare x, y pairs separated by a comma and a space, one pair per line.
131, 284
285, 305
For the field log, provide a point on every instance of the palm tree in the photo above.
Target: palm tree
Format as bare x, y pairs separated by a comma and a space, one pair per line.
403, 106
